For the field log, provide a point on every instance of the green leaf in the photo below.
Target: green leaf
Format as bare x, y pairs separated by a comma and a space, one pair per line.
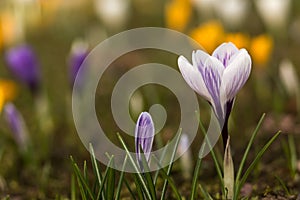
164, 190
110, 183
206, 195
254, 162
105, 177
73, 187
148, 176
119, 188
168, 178
247, 152
129, 189
144, 185
96, 169
83, 185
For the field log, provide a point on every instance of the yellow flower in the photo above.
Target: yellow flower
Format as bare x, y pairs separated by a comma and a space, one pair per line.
240, 40
11, 29
209, 35
261, 48
177, 14
8, 92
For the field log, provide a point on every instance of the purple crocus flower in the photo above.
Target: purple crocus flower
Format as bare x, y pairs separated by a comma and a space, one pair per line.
144, 135
17, 125
22, 61
218, 78
79, 52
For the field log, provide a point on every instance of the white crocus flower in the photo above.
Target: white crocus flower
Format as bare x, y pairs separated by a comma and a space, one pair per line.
274, 13
218, 78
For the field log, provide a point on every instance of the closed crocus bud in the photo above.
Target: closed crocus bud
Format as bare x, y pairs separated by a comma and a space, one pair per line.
232, 12
144, 136
17, 125
113, 13
228, 171
23, 63
274, 12
288, 76
79, 51
186, 156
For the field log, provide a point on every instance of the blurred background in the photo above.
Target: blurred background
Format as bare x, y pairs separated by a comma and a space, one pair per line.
43, 43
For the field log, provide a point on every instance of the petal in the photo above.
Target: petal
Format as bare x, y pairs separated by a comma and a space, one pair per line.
225, 52
212, 76
199, 57
193, 77
144, 135
235, 75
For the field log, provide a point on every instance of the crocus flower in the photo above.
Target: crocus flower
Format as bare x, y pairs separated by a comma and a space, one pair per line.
274, 13
177, 14
22, 61
209, 35
79, 51
288, 76
113, 13
232, 12
17, 125
218, 78
144, 135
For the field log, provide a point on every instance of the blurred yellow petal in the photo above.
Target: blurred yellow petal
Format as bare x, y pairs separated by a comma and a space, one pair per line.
2, 100
11, 28
261, 48
177, 14
209, 35
240, 40
8, 89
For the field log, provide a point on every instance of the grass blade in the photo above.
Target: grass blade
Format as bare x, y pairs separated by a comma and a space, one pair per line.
110, 183
247, 151
95, 168
129, 189
171, 165
81, 180
119, 188
144, 185
73, 188
105, 177
255, 161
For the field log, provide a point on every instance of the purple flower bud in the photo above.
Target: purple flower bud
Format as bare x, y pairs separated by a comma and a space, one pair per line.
144, 135
23, 63
79, 52
17, 125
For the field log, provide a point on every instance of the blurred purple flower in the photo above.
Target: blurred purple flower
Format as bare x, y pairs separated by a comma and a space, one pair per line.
17, 125
79, 52
218, 78
144, 135
23, 63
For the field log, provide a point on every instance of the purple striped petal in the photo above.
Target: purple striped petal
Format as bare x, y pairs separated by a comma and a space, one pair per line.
193, 77
199, 58
144, 136
235, 75
225, 52
212, 76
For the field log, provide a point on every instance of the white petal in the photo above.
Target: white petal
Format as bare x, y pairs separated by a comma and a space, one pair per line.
193, 77
235, 75
213, 72
199, 57
224, 53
